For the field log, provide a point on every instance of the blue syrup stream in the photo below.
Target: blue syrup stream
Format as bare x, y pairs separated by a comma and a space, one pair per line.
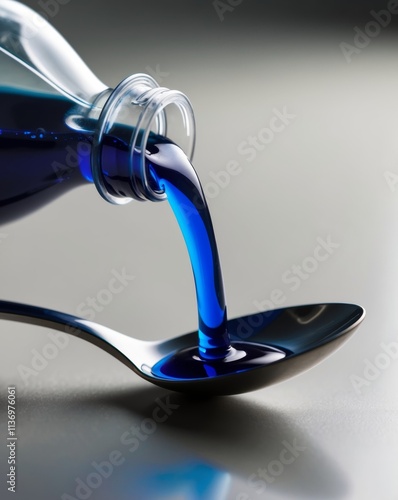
175, 175
42, 158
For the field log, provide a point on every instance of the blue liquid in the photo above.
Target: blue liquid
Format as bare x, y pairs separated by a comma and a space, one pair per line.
174, 174
36, 160
42, 158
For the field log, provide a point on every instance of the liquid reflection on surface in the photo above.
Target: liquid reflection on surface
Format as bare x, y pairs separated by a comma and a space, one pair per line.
245, 438
180, 480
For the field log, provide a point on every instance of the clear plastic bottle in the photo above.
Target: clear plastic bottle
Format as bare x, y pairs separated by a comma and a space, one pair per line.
61, 127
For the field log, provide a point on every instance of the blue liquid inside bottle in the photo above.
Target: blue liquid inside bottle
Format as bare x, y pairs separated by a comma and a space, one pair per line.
41, 157
36, 162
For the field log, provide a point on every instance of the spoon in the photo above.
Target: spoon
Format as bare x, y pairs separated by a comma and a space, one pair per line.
294, 338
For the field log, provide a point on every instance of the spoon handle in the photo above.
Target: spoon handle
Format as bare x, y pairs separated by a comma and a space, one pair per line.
118, 345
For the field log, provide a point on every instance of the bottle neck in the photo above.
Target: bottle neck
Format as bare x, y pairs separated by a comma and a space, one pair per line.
133, 113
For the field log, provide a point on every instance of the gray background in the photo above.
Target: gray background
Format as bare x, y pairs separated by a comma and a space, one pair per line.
323, 175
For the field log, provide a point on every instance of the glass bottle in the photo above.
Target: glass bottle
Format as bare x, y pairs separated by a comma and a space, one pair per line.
61, 127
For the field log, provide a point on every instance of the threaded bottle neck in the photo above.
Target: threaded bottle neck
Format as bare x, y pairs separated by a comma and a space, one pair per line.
134, 110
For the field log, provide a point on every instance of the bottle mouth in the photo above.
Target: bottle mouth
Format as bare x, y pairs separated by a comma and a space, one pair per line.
143, 108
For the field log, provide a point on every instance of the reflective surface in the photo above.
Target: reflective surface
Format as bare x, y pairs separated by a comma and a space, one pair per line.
294, 339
